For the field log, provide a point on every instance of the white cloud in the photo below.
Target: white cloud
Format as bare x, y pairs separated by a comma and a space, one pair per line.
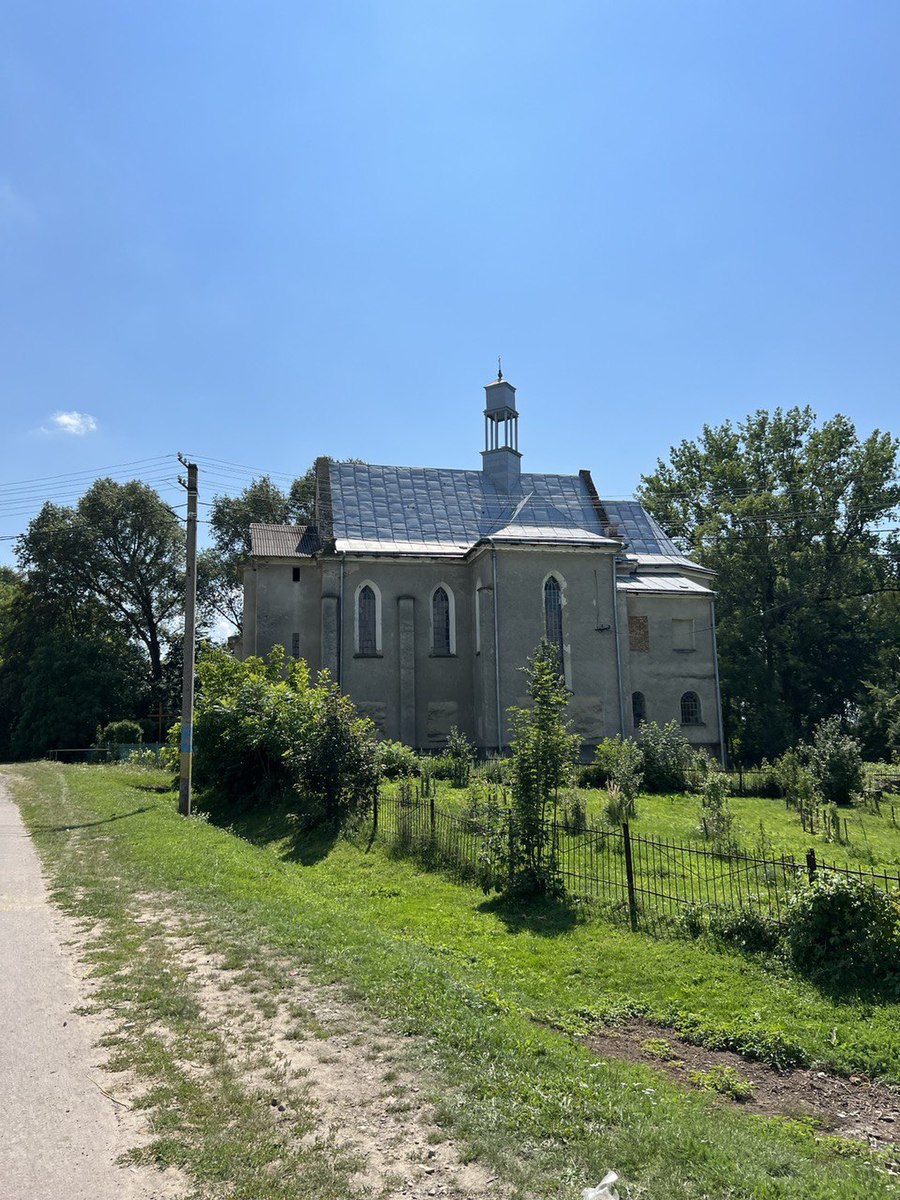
73, 422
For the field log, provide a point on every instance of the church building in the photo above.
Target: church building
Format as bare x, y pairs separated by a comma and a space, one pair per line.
424, 590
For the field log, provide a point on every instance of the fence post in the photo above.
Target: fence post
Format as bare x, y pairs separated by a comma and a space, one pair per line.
375, 811
431, 814
811, 865
511, 844
629, 876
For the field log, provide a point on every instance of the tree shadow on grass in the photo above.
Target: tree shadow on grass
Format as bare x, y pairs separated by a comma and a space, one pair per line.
136, 812
542, 915
268, 823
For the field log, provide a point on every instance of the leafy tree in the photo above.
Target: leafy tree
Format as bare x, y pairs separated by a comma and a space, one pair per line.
219, 568
835, 762
667, 757
46, 640
120, 546
791, 514
543, 760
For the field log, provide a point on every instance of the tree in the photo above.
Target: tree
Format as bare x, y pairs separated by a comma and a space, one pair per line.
543, 759
791, 514
121, 546
45, 640
219, 568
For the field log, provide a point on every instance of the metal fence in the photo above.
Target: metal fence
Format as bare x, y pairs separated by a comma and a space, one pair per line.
649, 883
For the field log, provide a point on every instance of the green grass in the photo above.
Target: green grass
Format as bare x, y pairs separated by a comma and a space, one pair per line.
496, 991
874, 840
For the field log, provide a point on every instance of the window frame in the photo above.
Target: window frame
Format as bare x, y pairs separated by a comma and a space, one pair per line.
638, 704
450, 652
376, 592
695, 709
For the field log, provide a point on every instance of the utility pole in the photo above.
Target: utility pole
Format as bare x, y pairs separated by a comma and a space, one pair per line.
190, 624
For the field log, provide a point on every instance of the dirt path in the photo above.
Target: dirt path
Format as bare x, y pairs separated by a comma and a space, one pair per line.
62, 1134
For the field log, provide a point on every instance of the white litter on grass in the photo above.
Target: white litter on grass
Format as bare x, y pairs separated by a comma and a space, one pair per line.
604, 1189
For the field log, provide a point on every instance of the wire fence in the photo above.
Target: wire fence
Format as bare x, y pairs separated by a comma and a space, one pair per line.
649, 883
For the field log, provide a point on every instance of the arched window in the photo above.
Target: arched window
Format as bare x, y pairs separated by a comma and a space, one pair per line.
690, 709
553, 629
638, 709
366, 622
441, 630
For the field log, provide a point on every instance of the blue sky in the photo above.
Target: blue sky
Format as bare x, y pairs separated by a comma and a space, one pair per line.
262, 232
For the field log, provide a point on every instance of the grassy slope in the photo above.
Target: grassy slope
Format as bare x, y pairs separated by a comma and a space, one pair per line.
441, 961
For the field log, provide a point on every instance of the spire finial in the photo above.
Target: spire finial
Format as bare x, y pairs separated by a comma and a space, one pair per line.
499, 370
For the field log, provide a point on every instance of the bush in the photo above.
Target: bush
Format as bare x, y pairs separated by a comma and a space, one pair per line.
397, 761
120, 733
668, 758
592, 776
844, 930
263, 730
461, 753
794, 778
746, 929
716, 817
835, 761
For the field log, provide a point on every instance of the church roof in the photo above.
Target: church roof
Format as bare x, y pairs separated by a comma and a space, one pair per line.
430, 510
283, 541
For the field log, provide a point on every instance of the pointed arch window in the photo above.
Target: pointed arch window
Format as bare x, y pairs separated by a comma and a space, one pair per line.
367, 622
553, 630
638, 709
690, 709
441, 632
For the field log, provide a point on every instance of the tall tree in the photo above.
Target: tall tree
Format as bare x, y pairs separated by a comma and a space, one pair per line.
120, 545
219, 568
792, 515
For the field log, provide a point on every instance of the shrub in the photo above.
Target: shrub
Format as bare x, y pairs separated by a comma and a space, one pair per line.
146, 759
591, 776
574, 812
461, 754
716, 817
120, 733
605, 757
397, 761
668, 758
794, 778
844, 930
495, 770
746, 929
263, 729
835, 761
543, 760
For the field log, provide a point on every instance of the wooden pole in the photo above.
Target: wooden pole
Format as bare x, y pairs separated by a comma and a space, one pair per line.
190, 626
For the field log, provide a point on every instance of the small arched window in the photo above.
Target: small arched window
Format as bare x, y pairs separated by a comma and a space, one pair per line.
690, 709
440, 622
553, 629
638, 709
367, 640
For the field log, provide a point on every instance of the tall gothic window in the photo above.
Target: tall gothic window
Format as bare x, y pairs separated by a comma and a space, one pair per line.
368, 643
690, 709
440, 622
638, 709
553, 629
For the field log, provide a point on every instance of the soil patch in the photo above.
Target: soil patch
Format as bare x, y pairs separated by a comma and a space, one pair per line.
856, 1107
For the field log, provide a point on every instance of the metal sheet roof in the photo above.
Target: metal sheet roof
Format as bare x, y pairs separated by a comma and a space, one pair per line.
661, 583
283, 541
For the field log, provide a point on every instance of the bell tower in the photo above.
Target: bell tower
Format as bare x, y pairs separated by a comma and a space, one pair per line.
501, 460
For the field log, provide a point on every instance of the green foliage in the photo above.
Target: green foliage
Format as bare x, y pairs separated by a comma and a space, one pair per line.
668, 758
397, 761
600, 771
835, 762
659, 1047
120, 546
574, 812
788, 512
844, 931
621, 762
794, 778
264, 729
746, 929
725, 1081
543, 760
461, 753
119, 733
716, 817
